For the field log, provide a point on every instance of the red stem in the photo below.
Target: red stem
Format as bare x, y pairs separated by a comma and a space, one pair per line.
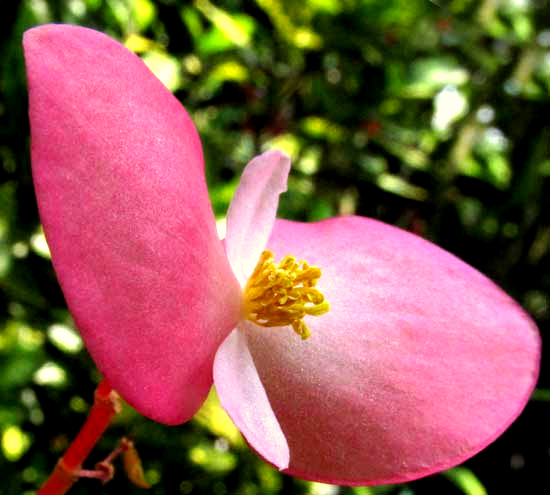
66, 472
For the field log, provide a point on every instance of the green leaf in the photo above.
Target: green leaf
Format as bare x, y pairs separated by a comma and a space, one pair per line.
465, 480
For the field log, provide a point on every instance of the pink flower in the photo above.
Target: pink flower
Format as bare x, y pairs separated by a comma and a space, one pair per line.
420, 362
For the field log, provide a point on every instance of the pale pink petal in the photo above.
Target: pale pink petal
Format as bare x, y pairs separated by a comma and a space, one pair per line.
118, 172
252, 210
421, 362
243, 396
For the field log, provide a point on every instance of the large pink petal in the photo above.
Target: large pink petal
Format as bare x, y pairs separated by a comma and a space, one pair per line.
252, 211
118, 171
421, 362
243, 396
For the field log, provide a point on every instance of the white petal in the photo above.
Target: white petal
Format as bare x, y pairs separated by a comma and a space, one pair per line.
252, 211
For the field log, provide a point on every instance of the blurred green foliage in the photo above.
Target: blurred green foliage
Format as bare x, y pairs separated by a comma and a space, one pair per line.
429, 115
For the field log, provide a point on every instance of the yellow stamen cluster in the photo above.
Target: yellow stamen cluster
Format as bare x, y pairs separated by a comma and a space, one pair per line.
282, 294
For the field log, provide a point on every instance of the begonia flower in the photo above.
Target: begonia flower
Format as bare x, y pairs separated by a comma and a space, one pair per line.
381, 358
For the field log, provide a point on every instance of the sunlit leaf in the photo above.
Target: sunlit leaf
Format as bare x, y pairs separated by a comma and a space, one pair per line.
429, 75
213, 459
235, 28
14, 443
143, 12
465, 480
165, 67
215, 419
397, 185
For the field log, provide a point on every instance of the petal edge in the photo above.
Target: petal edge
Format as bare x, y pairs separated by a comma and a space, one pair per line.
252, 211
421, 362
243, 397
118, 172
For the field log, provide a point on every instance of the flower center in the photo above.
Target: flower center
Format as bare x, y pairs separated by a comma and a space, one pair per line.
281, 294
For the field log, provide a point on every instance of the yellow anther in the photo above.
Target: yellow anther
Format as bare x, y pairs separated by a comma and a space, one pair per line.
278, 295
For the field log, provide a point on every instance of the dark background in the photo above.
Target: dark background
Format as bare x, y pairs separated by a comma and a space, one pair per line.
434, 116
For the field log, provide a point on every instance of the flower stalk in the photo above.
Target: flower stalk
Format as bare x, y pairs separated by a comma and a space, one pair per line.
68, 469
